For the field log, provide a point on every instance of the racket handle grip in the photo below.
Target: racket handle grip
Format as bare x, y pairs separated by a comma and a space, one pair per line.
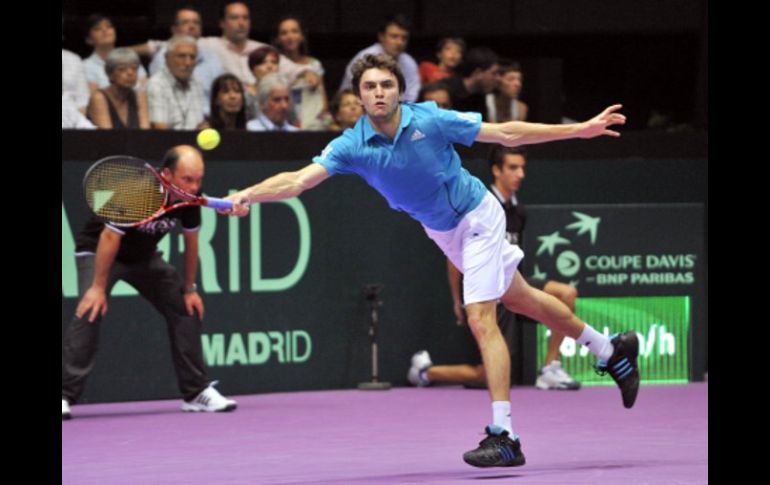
216, 203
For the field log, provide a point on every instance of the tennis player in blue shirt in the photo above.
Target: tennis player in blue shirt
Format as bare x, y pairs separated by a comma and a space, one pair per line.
405, 151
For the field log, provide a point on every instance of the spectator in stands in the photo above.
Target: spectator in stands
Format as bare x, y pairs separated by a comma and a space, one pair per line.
477, 76
187, 21
504, 103
449, 53
234, 46
305, 74
262, 61
345, 109
438, 92
73, 80
176, 98
71, 117
118, 105
101, 36
228, 104
274, 105
393, 37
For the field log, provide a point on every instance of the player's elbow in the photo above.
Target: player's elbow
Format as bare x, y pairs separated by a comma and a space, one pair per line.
510, 134
306, 181
509, 139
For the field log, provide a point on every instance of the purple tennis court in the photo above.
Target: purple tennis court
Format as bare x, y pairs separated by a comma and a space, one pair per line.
404, 435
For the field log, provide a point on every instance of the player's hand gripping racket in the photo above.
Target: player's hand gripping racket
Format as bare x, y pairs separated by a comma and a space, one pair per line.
128, 192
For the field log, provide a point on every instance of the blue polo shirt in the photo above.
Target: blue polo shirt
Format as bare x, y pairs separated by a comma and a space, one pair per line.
418, 172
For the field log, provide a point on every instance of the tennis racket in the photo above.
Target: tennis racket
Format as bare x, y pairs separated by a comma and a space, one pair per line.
128, 192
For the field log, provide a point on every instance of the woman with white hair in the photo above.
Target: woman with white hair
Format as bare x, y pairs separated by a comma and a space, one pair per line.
119, 105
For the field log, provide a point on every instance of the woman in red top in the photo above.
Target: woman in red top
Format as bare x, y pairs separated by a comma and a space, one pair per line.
449, 52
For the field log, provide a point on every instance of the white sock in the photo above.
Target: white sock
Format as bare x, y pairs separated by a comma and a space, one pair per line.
596, 342
501, 415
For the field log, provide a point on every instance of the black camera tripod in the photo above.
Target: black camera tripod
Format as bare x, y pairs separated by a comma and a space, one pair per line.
372, 295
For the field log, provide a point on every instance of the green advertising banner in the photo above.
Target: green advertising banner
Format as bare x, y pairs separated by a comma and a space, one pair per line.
662, 325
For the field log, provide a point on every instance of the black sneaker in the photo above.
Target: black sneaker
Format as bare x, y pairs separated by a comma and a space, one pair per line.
497, 449
622, 366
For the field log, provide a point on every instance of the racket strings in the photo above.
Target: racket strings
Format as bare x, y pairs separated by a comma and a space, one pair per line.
123, 192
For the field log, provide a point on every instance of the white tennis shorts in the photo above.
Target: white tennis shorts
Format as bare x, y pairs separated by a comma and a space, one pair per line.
478, 248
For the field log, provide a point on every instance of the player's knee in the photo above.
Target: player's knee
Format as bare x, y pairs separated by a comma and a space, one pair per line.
481, 327
474, 321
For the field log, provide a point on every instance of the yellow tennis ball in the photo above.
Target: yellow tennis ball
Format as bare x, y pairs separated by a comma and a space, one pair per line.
208, 139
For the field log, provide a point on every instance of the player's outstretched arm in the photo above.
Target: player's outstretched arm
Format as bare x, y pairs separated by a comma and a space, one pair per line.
515, 133
282, 186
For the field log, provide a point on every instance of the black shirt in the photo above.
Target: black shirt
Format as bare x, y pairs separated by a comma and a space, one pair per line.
133, 112
138, 243
515, 218
463, 100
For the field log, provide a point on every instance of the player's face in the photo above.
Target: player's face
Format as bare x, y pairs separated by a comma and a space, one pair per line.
379, 93
512, 174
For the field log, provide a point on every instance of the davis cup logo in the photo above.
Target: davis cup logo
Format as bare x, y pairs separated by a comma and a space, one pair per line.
554, 249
